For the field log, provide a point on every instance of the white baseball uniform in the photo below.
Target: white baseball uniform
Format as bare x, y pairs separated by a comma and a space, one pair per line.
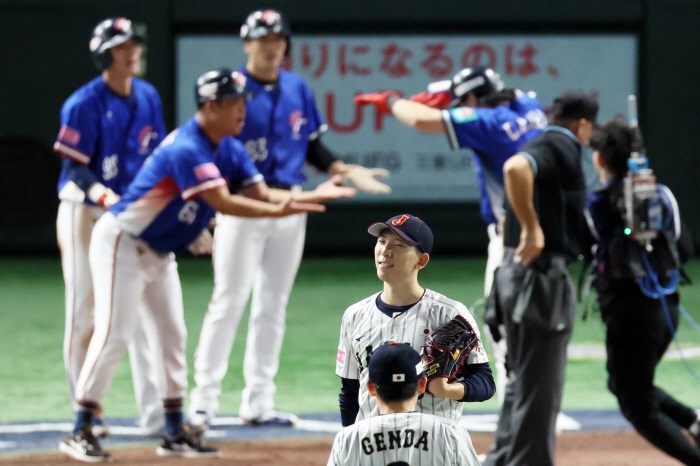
365, 327
261, 256
406, 439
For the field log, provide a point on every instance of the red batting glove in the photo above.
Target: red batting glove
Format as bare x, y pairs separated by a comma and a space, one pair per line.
376, 98
440, 100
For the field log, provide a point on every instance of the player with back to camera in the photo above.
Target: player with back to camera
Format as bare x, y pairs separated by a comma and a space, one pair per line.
638, 331
401, 435
132, 253
262, 256
108, 128
405, 312
475, 111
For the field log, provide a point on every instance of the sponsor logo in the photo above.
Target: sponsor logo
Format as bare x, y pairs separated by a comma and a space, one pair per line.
463, 114
69, 135
341, 357
206, 171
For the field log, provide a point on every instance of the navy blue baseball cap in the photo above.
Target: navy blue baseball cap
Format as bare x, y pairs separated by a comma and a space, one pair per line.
409, 228
395, 363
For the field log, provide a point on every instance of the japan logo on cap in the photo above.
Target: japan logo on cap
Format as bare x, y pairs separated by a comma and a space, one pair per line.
398, 378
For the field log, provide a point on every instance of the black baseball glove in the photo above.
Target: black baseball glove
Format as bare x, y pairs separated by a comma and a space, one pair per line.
448, 347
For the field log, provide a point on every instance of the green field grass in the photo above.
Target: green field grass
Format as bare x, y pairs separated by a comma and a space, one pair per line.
32, 379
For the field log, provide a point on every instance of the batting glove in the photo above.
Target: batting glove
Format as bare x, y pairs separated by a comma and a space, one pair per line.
376, 98
440, 100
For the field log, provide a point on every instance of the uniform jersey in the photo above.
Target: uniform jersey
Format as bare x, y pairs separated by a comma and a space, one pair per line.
411, 439
365, 327
111, 134
494, 134
281, 119
162, 205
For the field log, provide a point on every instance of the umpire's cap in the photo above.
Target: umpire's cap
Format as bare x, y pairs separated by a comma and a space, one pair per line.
478, 80
395, 363
107, 34
263, 22
409, 228
220, 84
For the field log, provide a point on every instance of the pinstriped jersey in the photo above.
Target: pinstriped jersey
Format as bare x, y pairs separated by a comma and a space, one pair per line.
365, 327
411, 439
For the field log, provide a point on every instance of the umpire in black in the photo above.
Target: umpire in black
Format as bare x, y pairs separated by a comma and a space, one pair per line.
638, 326
533, 294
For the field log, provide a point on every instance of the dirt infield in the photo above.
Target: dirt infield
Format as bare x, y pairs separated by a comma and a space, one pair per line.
618, 448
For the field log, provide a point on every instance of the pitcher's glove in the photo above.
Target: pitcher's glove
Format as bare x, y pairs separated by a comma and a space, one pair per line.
448, 347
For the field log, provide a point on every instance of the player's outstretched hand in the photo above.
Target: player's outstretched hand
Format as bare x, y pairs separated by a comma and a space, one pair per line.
203, 244
367, 179
440, 100
376, 98
331, 189
291, 207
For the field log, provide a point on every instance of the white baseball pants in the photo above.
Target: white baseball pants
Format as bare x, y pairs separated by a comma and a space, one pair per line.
261, 255
74, 226
134, 287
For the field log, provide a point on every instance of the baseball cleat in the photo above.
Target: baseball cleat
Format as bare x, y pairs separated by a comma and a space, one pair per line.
273, 418
84, 446
200, 420
99, 428
187, 444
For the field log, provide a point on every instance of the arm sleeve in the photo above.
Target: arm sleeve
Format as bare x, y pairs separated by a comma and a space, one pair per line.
79, 174
349, 401
478, 382
319, 156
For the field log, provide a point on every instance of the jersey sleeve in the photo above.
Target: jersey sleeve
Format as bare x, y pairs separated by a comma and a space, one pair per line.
316, 125
345, 364
194, 173
159, 123
471, 128
78, 135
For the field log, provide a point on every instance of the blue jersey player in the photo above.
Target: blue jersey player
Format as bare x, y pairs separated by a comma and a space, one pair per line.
475, 111
108, 128
281, 134
132, 254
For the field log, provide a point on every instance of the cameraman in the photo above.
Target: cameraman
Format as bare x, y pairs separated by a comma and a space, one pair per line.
638, 332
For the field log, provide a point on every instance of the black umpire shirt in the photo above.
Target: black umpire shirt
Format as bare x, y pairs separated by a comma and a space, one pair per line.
559, 191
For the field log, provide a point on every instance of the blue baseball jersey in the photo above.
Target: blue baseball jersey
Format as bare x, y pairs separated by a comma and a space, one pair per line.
162, 206
112, 135
281, 119
494, 135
